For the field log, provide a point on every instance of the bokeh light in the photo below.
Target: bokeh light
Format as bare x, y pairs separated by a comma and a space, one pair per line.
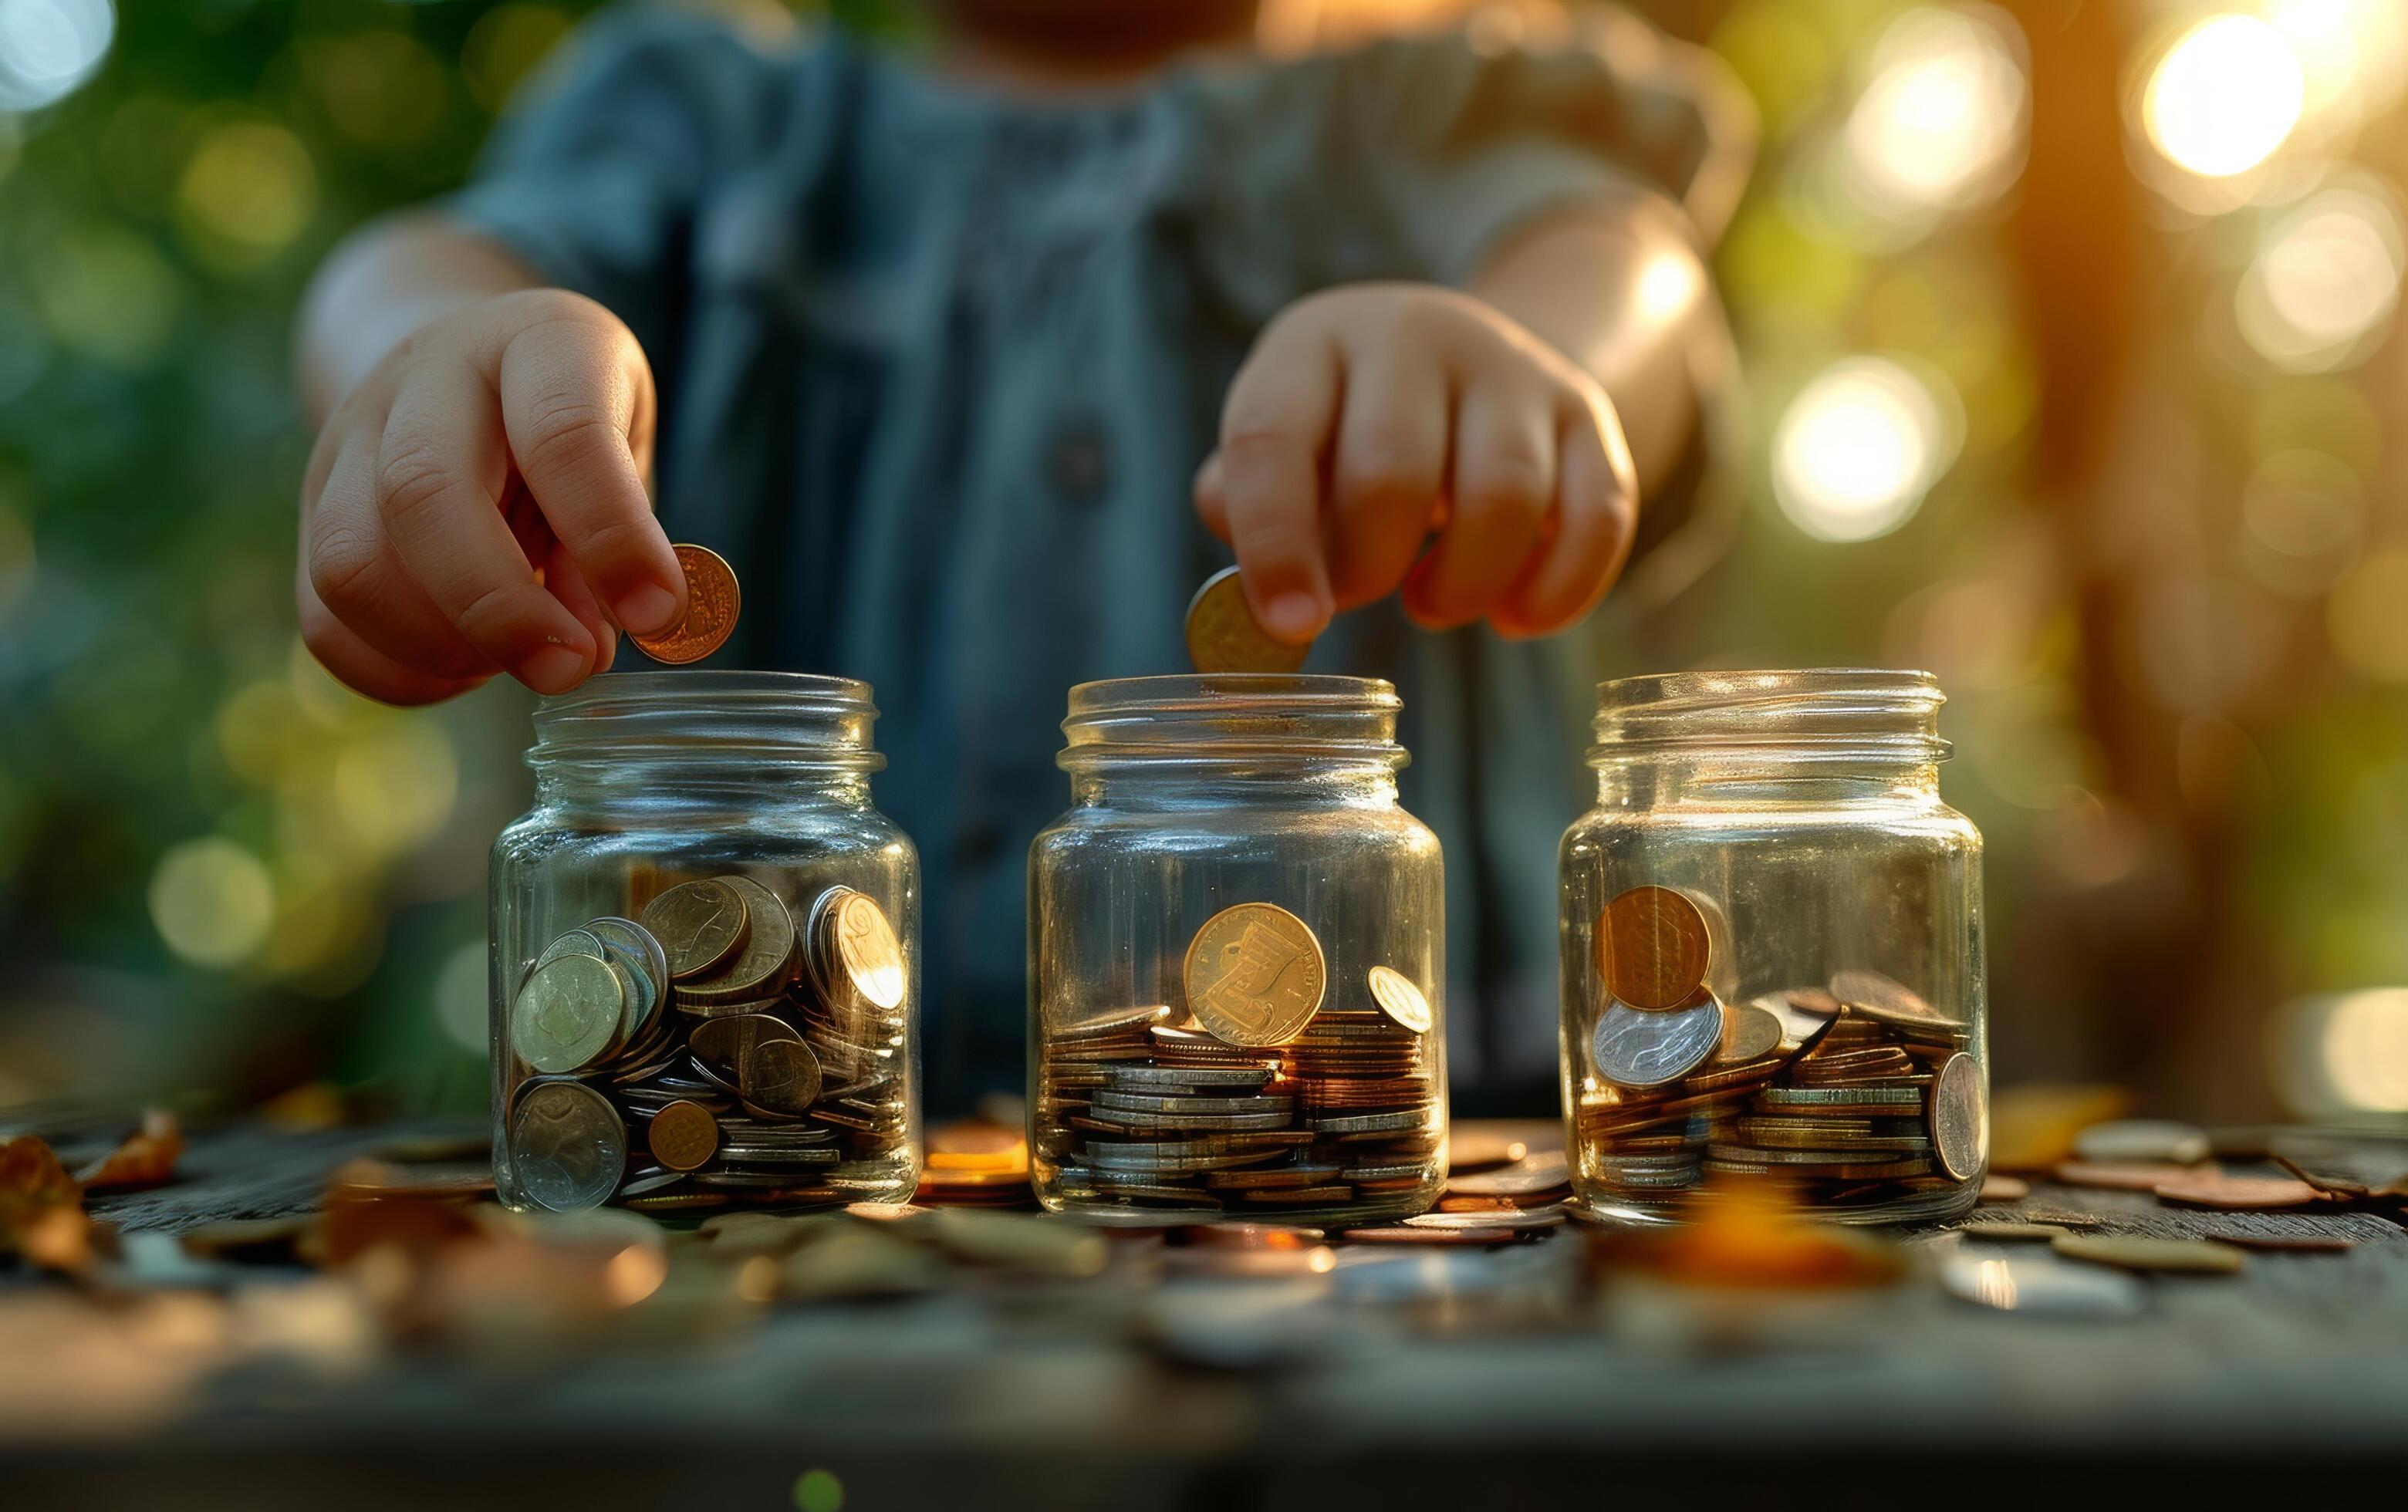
48, 47
2326, 277
1859, 447
107, 294
459, 998
2343, 1054
2353, 53
2302, 512
248, 190
2368, 617
211, 901
1941, 126
2224, 97
16, 561
381, 88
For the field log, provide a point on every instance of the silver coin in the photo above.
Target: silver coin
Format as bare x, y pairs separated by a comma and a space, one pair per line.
568, 1147
1635, 1048
2040, 1285
575, 942
1805, 1013
1960, 1117
1749, 1034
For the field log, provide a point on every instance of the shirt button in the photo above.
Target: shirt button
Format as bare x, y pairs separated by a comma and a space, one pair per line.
1078, 463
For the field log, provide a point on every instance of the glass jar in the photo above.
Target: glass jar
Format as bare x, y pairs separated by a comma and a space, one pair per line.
1773, 957
705, 952
1236, 960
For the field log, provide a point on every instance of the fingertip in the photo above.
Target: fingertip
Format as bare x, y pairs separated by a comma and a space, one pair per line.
1295, 616
647, 610
554, 669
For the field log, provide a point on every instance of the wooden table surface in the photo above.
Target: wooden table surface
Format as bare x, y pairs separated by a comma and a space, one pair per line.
1403, 1378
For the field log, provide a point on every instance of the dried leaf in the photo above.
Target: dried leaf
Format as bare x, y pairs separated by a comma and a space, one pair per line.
147, 1159
41, 1207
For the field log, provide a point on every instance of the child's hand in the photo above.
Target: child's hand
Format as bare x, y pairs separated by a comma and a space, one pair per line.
415, 584
1369, 417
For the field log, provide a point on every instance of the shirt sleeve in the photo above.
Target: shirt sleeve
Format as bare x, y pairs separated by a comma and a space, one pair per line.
595, 175
1415, 157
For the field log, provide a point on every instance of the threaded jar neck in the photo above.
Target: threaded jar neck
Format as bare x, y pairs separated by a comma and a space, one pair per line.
1828, 716
720, 726
1220, 727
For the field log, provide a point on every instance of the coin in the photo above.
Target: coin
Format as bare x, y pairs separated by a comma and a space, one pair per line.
2157, 1140
699, 925
567, 1013
1222, 634
1960, 1119
866, 945
1749, 1034
684, 1135
781, 1075
1635, 1049
1651, 947
2305, 1244
1395, 992
766, 955
2131, 1252
712, 602
568, 1147
725, 1042
2238, 1194
2037, 1284
1255, 975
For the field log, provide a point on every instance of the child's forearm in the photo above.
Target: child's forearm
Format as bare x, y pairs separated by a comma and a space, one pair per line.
388, 281
1626, 297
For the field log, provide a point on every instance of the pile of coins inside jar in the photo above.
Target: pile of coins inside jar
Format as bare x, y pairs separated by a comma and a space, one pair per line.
710, 1052
1258, 1099
1859, 1092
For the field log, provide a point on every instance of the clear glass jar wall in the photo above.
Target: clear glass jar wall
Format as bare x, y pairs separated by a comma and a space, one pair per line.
1772, 951
704, 953
1237, 960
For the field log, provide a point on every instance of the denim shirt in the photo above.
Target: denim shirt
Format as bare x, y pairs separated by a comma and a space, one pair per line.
937, 368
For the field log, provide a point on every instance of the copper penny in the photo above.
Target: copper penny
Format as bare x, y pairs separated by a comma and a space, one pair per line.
712, 602
1652, 947
684, 1136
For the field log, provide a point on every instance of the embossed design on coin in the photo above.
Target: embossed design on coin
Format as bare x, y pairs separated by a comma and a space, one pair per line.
568, 1147
865, 943
1222, 634
1394, 992
684, 1136
1255, 975
1749, 1034
567, 1013
1637, 1047
767, 953
1652, 946
699, 923
781, 1075
1961, 1118
712, 602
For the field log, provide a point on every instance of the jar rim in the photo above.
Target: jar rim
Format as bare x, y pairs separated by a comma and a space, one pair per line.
1849, 714
1220, 718
790, 719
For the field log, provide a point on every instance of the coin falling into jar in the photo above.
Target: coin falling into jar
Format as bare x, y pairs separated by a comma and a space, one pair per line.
712, 602
1224, 636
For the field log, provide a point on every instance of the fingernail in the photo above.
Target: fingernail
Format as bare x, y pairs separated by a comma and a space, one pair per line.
1293, 617
552, 670
646, 609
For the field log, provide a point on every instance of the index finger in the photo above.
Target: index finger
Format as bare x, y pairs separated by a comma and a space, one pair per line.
571, 394
1274, 428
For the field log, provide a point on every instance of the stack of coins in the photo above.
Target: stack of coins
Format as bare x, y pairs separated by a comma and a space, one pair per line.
1860, 1092
1256, 1099
710, 1052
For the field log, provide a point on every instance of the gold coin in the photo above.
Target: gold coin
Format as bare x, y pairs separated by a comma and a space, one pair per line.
1255, 975
781, 1075
699, 923
712, 602
2181, 1257
1960, 1117
865, 943
1395, 992
1222, 634
684, 1136
768, 954
1749, 1034
1651, 947
566, 1014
